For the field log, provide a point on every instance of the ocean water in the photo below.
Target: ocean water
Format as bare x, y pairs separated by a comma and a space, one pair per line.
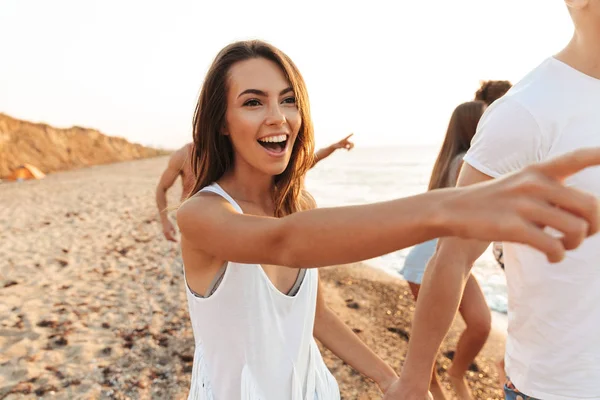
369, 174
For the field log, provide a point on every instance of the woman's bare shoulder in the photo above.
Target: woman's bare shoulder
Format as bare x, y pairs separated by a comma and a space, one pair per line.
201, 208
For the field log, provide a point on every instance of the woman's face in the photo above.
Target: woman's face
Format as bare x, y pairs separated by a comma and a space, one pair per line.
262, 117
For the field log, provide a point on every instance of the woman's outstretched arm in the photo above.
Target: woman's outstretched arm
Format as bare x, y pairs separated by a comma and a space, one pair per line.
515, 209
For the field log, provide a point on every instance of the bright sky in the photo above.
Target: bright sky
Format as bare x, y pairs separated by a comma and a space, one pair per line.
390, 71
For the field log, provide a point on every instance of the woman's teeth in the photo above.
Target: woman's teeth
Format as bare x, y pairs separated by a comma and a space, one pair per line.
274, 139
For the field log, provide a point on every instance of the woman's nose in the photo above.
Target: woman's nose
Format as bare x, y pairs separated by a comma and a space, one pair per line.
275, 116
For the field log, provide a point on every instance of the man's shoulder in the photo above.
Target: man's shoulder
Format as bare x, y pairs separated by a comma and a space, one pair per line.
183, 152
188, 147
541, 92
520, 128
180, 157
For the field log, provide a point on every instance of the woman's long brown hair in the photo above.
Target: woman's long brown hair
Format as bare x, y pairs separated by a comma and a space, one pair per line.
213, 153
461, 130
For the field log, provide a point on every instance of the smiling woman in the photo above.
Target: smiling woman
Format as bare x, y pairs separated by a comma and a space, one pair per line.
266, 97
251, 239
269, 115
253, 134
275, 143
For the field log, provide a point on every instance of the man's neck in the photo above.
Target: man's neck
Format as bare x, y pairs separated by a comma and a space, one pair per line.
583, 52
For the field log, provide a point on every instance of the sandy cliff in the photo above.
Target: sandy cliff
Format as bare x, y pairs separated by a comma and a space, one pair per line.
53, 149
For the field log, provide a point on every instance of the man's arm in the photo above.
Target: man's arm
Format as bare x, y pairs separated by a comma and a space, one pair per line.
325, 152
439, 298
167, 179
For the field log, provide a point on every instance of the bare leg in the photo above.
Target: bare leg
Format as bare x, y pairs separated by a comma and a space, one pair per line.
478, 319
501, 373
436, 389
434, 386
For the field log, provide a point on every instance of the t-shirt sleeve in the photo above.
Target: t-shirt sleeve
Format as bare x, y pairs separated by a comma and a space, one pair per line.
508, 139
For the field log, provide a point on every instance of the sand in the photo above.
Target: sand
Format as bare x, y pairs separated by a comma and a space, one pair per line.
92, 303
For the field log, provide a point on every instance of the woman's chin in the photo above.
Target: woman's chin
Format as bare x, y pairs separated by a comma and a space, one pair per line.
276, 169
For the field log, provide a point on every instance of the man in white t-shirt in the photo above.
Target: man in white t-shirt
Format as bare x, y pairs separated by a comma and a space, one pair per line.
553, 343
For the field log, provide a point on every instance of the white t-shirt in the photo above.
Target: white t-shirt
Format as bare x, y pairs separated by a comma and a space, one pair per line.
553, 344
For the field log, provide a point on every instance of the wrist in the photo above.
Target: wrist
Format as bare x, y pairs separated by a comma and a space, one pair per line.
443, 221
416, 376
413, 387
385, 378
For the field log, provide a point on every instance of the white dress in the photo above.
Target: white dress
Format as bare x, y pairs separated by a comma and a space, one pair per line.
254, 342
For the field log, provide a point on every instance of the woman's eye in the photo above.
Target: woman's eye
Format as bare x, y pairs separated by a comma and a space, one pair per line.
252, 103
290, 100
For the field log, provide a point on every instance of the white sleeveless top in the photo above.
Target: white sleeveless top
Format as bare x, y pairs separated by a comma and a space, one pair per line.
254, 342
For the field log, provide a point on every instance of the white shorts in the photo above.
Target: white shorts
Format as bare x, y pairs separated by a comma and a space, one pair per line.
416, 261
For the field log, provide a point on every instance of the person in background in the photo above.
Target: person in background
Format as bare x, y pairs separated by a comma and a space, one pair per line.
552, 348
473, 308
490, 91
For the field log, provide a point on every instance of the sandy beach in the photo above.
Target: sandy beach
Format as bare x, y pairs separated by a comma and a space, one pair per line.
93, 304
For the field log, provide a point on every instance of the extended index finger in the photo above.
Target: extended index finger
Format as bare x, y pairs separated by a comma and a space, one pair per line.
348, 137
568, 164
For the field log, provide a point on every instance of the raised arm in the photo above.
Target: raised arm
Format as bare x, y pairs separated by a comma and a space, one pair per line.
325, 152
515, 208
167, 179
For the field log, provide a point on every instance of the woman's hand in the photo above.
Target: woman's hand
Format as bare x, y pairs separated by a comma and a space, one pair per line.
345, 143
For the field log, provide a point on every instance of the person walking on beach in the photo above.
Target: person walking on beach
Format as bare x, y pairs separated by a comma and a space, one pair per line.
180, 166
473, 307
552, 349
252, 239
